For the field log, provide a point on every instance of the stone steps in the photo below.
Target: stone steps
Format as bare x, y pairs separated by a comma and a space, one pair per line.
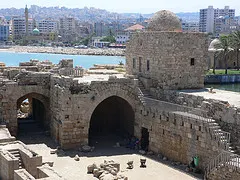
16, 153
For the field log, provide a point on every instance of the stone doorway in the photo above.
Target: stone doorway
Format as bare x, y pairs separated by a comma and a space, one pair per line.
145, 139
111, 122
32, 113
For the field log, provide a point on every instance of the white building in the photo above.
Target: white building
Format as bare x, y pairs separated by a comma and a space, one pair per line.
67, 28
18, 27
190, 26
123, 36
208, 17
225, 25
96, 42
47, 26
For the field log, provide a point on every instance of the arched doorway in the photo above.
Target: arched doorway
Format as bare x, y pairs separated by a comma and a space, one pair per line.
32, 113
112, 120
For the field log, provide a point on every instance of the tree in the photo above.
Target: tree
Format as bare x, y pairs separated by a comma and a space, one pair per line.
223, 47
235, 44
110, 39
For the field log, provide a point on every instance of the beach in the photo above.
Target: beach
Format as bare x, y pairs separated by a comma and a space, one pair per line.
66, 50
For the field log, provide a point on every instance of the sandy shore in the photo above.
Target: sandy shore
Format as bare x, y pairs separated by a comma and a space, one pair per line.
66, 50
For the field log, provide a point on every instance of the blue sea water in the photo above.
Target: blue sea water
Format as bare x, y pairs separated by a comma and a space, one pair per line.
13, 59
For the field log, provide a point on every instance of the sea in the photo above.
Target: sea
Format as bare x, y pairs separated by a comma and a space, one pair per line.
86, 61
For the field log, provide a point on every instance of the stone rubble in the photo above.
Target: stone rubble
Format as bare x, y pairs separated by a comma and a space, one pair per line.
106, 171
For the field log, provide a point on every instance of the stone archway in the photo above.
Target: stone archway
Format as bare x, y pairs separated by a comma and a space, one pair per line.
113, 117
37, 117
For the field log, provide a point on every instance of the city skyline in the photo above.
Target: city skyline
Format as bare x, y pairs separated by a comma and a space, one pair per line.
126, 6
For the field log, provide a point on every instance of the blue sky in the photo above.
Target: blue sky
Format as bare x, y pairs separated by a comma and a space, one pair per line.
140, 6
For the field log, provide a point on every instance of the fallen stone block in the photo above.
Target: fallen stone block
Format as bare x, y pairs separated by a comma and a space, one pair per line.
76, 158
90, 168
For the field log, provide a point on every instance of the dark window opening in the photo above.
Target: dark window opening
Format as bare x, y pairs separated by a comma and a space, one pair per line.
192, 61
148, 65
163, 132
134, 63
145, 139
234, 63
200, 128
191, 126
174, 122
182, 123
140, 64
197, 138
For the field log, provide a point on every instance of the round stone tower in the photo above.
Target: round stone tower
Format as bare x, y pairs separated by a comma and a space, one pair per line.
165, 21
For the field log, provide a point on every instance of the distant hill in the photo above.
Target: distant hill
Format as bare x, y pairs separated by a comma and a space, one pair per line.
188, 16
85, 14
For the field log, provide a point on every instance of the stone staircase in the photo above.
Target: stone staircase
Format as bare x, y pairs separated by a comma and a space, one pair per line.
226, 158
16, 153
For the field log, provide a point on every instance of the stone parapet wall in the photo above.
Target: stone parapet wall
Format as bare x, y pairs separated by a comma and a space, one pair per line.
22, 174
227, 116
33, 78
46, 172
8, 163
179, 137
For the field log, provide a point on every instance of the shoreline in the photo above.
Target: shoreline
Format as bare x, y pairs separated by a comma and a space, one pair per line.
66, 50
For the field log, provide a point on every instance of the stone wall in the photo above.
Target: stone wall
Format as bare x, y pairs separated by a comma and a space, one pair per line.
8, 164
30, 162
172, 60
72, 105
11, 92
227, 116
22, 174
180, 137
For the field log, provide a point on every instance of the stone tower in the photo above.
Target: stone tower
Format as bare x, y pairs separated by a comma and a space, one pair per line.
165, 57
26, 19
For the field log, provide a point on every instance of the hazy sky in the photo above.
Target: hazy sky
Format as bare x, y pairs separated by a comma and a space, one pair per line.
140, 6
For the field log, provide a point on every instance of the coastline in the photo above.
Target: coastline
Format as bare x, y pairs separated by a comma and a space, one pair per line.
65, 50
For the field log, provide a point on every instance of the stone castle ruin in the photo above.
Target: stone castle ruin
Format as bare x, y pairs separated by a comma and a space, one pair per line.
76, 107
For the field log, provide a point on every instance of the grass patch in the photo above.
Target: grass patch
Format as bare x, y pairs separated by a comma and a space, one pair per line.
222, 72
121, 70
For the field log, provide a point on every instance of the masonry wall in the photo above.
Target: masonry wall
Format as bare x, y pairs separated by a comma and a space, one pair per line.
178, 137
72, 105
7, 165
227, 116
30, 162
176, 60
22, 174
11, 92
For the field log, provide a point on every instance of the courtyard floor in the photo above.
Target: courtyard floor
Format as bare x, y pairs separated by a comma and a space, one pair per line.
68, 168
232, 97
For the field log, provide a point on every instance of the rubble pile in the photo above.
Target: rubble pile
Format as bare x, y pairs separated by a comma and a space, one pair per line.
106, 171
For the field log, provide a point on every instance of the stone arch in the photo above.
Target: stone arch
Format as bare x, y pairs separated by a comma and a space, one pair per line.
40, 105
10, 96
113, 116
124, 92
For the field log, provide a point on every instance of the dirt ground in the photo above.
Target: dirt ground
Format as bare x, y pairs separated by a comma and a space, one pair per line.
68, 168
